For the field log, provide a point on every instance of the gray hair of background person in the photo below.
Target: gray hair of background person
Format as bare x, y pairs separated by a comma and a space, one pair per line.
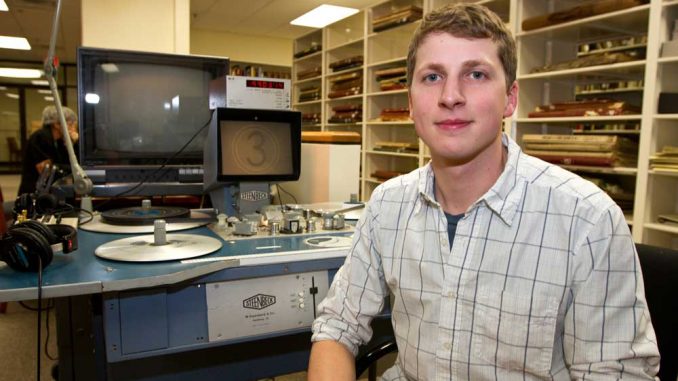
50, 115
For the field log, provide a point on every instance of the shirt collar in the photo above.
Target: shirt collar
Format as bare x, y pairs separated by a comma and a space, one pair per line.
504, 196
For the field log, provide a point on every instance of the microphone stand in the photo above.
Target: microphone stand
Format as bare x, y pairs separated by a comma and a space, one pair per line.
81, 182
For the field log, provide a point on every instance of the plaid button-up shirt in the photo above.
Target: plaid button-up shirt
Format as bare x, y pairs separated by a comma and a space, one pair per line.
542, 281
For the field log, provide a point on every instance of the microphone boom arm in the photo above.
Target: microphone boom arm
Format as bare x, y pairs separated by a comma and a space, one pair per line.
81, 182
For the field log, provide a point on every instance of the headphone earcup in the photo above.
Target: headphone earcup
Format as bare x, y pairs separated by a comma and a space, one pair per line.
66, 235
41, 229
46, 203
23, 202
25, 249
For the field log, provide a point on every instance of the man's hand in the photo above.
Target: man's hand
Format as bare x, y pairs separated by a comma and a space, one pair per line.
331, 360
41, 165
73, 133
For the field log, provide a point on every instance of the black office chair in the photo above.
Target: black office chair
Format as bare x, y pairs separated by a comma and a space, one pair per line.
368, 360
660, 274
660, 271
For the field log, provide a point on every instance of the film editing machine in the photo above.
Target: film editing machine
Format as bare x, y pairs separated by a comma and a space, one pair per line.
163, 292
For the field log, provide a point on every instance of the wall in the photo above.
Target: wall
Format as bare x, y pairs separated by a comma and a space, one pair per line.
149, 25
239, 47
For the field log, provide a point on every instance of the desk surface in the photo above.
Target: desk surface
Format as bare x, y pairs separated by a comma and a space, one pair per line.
81, 272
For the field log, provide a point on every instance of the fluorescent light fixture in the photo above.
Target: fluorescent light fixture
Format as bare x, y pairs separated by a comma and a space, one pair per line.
109, 68
323, 15
43, 91
92, 98
49, 99
3, 6
20, 43
20, 73
167, 106
40, 82
12, 95
175, 102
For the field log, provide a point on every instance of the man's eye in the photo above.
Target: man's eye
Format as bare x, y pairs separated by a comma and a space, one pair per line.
431, 77
477, 75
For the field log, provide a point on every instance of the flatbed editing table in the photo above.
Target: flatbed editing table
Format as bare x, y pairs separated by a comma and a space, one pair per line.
164, 320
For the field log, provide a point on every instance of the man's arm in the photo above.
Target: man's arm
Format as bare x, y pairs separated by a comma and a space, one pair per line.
331, 361
356, 295
608, 331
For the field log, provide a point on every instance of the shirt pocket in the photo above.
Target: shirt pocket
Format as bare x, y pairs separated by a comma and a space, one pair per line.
515, 333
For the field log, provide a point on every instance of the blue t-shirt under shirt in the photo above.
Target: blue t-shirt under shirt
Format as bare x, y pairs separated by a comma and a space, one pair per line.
452, 220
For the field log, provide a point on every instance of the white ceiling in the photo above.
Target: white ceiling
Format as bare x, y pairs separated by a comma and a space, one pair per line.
269, 18
33, 19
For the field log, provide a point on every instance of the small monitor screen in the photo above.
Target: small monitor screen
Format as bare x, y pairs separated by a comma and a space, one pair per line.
256, 148
251, 145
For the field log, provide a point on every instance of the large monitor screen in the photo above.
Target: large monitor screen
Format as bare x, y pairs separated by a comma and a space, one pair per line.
140, 108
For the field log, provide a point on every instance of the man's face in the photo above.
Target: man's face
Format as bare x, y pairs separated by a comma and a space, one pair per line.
72, 130
458, 97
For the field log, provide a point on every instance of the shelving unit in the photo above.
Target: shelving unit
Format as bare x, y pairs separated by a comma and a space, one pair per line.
254, 69
638, 80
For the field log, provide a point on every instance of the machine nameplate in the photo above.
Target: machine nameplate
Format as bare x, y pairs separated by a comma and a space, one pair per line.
260, 306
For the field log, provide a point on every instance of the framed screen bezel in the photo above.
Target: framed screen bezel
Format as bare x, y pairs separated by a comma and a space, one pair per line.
93, 157
292, 118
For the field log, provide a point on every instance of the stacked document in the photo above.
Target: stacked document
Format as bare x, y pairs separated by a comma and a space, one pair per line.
594, 150
666, 159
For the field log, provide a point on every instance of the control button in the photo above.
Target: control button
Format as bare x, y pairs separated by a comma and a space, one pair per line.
301, 294
301, 300
301, 305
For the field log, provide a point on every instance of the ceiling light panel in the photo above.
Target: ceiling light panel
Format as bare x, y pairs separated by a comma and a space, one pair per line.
323, 16
20, 73
19, 43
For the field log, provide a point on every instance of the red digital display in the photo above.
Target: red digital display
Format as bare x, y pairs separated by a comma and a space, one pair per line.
265, 84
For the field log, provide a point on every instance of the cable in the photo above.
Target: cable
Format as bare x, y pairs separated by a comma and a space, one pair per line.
290, 194
90, 214
39, 315
151, 174
34, 309
53, 358
279, 197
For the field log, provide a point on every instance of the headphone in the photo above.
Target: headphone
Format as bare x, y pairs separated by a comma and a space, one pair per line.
35, 204
28, 244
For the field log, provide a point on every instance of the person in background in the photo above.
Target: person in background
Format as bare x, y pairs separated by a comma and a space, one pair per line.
46, 146
501, 266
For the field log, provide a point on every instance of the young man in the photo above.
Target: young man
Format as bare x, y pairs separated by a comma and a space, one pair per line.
46, 146
502, 267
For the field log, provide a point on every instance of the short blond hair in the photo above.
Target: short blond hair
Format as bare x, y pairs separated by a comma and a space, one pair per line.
466, 21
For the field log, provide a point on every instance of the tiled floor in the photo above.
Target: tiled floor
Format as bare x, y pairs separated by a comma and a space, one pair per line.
10, 185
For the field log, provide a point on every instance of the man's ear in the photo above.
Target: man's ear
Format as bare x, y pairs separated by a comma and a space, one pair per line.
511, 100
